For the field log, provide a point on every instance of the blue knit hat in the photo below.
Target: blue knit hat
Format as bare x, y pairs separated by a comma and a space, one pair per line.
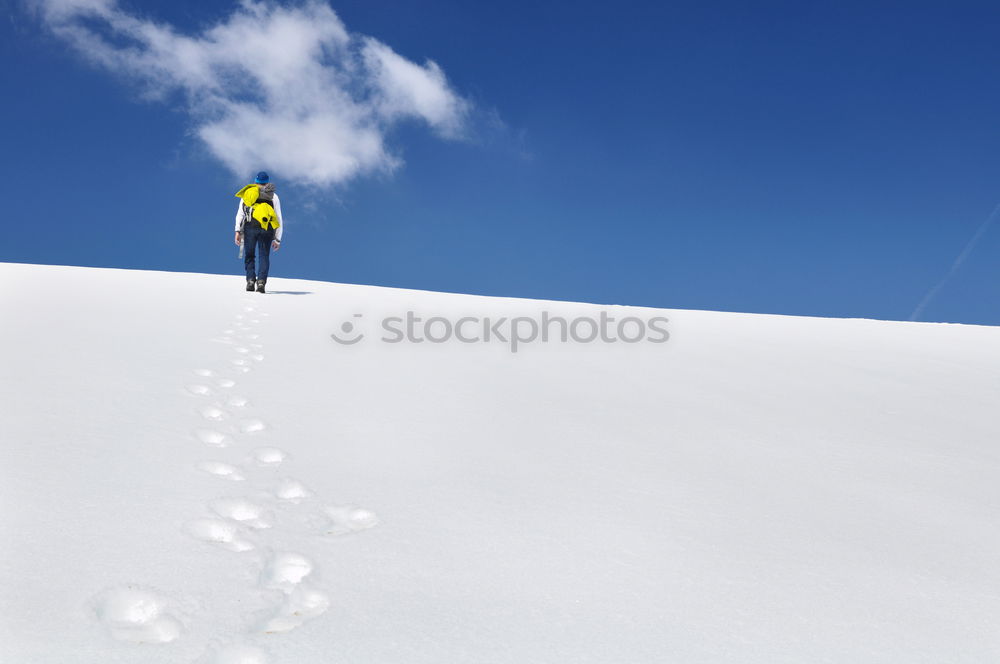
262, 178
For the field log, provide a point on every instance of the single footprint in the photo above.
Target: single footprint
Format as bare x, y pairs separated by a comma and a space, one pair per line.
206, 373
258, 357
239, 361
243, 511
269, 456
199, 390
237, 401
243, 369
138, 616
213, 413
222, 470
285, 570
242, 349
292, 490
220, 533
302, 604
225, 382
229, 332
252, 426
213, 438
349, 519
253, 336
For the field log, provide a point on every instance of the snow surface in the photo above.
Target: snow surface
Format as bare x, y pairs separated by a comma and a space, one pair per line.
193, 473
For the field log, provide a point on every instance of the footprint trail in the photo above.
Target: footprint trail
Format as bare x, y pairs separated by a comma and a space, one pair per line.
242, 526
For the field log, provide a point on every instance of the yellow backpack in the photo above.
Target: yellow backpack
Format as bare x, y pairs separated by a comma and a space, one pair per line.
262, 212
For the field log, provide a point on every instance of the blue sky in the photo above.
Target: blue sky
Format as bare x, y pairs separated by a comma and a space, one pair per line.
828, 159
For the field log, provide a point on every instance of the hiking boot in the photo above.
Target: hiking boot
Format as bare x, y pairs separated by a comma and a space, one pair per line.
250, 285
260, 286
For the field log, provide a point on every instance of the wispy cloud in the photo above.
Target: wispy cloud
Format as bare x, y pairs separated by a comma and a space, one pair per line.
980, 232
287, 88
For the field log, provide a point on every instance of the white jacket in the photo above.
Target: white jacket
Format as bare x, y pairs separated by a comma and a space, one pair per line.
277, 211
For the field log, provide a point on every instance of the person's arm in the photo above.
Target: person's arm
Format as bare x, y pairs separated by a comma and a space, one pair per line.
239, 217
281, 221
239, 220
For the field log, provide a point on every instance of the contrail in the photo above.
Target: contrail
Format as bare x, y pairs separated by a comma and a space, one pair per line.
957, 264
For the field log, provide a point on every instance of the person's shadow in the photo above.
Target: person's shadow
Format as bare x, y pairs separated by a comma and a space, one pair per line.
289, 292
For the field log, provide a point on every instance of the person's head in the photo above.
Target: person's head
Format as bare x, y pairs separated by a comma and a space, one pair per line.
262, 178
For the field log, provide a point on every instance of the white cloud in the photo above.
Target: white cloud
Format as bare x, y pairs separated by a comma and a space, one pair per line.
284, 88
405, 88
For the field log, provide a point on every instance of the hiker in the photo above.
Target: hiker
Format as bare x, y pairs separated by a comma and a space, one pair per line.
258, 228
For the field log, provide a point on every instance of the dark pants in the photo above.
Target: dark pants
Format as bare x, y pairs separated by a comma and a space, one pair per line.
256, 239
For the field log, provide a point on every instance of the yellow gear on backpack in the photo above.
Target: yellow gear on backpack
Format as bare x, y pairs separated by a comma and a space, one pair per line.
263, 213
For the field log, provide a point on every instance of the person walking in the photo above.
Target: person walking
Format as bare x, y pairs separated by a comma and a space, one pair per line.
259, 228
